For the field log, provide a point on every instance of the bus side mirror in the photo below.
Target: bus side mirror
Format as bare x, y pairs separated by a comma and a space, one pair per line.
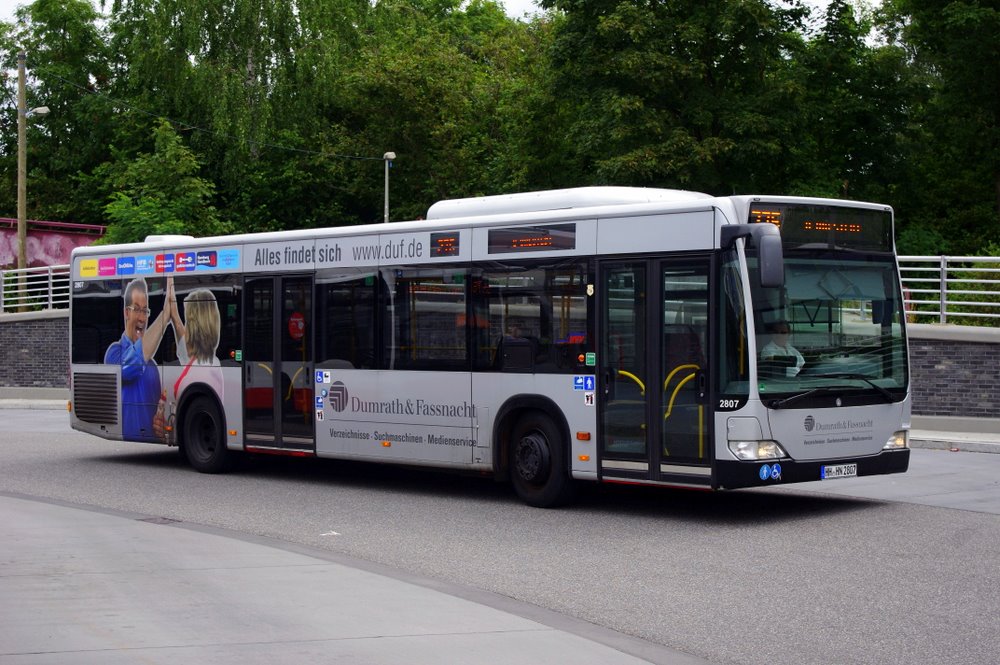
771, 261
767, 239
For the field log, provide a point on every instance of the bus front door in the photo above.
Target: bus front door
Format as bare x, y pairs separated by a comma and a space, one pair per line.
277, 364
653, 401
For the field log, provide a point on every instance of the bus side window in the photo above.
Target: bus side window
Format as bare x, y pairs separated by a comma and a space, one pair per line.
345, 310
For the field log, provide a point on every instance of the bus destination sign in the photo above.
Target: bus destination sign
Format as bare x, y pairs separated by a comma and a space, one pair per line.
444, 244
810, 226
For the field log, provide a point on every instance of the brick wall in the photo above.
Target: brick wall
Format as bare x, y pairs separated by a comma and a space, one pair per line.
955, 370
34, 351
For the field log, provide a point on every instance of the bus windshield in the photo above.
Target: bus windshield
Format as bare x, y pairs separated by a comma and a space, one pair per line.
837, 323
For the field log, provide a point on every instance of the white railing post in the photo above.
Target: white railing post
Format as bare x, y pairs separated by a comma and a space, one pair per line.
943, 276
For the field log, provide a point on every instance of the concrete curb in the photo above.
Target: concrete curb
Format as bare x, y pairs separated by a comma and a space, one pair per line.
49, 404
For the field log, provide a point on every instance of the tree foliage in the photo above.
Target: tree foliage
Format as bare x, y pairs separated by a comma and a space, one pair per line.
160, 193
279, 112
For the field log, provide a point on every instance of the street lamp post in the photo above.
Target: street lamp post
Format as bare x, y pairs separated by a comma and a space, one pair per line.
387, 158
22, 171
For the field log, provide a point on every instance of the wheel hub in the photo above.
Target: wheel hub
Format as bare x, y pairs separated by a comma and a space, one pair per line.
531, 458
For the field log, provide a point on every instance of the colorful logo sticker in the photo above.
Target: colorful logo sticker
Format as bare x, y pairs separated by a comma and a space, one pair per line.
765, 472
106, 267
229, 259
88, 267
207, 260
184, 262
126, 265
145, 264
164, 263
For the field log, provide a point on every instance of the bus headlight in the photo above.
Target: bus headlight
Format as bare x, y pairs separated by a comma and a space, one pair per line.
898, 440
756, 450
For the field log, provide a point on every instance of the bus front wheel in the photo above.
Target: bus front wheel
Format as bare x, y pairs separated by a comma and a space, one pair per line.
538, 467
204, 438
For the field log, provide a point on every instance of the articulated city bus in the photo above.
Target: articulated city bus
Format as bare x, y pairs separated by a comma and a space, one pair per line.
617, 335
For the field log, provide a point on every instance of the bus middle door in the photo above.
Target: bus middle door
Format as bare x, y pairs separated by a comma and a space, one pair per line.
278, 365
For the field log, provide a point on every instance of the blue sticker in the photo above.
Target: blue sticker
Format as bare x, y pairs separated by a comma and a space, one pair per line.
126, 265
324, 392
319, 376
776, 472
578, 382
319, 402
765, 472
588, 383
145, 264
228, 259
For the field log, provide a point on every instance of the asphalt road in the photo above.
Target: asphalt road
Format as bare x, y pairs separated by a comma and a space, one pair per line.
808, 574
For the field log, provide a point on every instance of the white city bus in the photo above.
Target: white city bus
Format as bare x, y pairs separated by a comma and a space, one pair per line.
604, 334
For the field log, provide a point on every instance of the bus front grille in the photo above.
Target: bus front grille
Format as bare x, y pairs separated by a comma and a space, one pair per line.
95, 398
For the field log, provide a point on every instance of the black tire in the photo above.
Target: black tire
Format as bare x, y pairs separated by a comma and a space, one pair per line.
538, 463
204, 437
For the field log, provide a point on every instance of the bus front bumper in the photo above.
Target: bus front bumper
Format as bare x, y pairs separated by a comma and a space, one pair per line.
732, 474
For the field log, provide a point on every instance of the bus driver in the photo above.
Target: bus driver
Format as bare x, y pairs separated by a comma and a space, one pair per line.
780, 346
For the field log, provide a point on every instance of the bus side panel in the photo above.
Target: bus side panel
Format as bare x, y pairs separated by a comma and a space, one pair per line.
407, 417
573, 395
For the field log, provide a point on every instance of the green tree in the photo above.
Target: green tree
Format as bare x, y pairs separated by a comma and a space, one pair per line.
160, 193
68, 68
951, 187
693, 93
439, 86
856, 97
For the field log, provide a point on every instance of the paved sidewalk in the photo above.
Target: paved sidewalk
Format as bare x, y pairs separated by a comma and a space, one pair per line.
93, 586
978, 435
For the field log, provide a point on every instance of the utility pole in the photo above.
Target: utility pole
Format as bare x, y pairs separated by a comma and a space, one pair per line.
22, 177
387, 157
22, 186
22, 169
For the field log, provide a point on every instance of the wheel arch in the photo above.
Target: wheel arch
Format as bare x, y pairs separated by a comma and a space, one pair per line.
190, 394
508, 415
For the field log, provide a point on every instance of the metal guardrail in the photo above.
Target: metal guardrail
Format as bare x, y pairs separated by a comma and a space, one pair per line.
34, 289
937, 289
963, 290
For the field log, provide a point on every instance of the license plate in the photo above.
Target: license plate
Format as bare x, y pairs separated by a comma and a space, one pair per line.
838, 471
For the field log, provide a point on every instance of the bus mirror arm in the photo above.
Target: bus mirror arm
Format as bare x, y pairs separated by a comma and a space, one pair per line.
767, 239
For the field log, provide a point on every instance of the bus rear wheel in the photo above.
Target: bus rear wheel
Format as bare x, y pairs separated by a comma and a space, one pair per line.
537, 458
204, 438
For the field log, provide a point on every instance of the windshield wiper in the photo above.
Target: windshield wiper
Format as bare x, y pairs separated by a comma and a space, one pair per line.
782, 403
858, 377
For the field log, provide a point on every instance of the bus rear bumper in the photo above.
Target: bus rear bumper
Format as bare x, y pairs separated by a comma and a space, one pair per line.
732, 474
